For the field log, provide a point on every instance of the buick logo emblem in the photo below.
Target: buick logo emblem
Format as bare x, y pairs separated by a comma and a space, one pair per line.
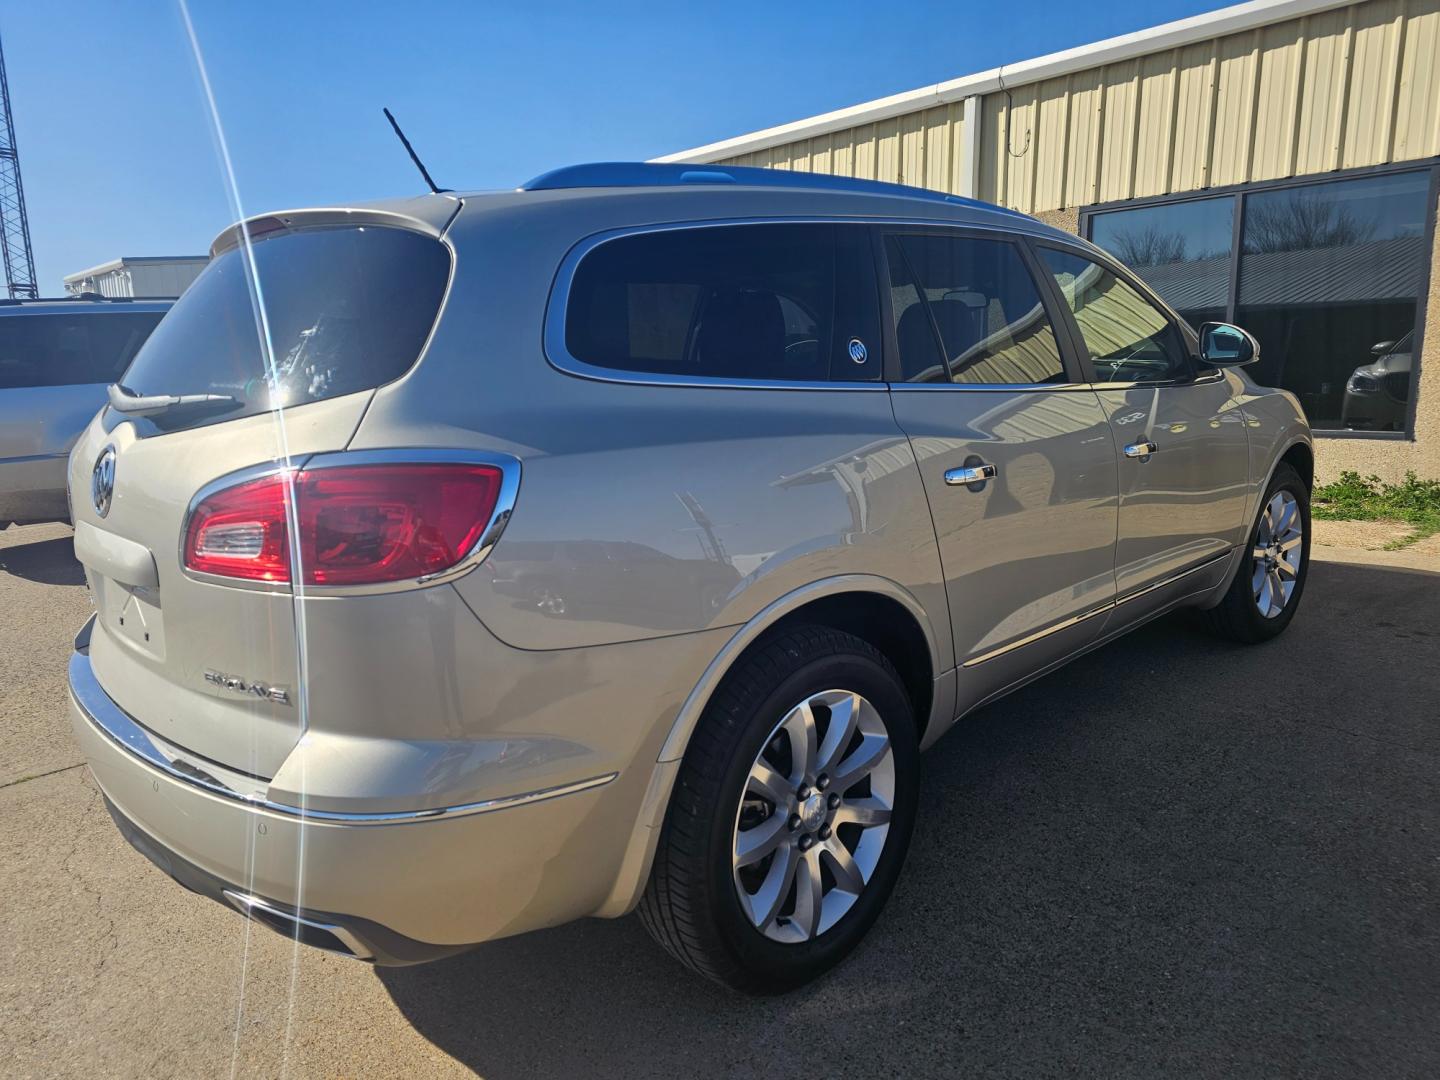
102, 481
858, 352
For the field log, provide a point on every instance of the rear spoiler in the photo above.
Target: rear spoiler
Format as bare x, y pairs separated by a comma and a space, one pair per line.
431, 216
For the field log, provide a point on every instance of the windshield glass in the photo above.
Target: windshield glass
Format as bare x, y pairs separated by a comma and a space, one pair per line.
346, 309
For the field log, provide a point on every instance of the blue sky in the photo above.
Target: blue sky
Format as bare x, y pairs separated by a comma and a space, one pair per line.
118, 157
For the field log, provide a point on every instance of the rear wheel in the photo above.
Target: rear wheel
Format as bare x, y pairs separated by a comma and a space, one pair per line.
791, 814
1266, 591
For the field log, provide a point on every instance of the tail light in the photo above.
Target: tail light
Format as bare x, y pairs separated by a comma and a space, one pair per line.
358, 524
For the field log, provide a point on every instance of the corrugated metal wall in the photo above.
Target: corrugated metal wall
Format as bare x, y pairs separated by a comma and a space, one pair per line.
1349, 87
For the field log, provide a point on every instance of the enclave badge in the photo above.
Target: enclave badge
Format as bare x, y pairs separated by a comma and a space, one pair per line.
254, 689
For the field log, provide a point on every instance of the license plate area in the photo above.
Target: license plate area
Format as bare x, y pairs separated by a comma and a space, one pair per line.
131, 615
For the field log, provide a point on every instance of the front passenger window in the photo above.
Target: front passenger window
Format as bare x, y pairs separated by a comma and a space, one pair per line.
1127, 337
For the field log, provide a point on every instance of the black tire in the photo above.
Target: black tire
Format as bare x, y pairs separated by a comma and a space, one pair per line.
691, 905
1237, 617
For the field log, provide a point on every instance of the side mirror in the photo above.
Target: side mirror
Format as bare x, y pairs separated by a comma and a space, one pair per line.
1223, 345
1382, 348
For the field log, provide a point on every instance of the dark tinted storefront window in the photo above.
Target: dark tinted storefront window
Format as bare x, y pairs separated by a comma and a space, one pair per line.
1329, 281
1181, 250
1327, 273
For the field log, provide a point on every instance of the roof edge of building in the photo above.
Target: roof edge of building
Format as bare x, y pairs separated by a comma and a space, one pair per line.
132, 260
1196, 28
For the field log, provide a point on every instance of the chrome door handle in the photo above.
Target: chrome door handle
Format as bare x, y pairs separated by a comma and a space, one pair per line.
970, 474
1140, 449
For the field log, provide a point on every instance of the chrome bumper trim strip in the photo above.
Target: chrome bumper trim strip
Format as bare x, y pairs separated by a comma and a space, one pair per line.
112, 721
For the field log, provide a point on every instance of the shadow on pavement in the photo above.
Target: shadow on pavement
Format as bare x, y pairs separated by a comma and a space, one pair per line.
45, 562
1176, 855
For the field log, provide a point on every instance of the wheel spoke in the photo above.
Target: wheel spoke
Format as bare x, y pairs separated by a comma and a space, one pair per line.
767, 783
1292, 540
844, 716
863, 758
1284, 569
807, 893
755, 843
1262, 595
867, 813
767, 900
800, 727
1277, 593
842, 865
1260, 552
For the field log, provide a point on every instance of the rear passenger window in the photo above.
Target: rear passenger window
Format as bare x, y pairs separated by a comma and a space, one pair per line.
70, 349
967, 310
749, 302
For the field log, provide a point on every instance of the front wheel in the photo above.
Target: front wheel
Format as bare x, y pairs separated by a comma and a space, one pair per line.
1266, 591
791, 814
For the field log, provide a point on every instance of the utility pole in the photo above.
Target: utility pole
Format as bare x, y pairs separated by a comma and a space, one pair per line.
14, 225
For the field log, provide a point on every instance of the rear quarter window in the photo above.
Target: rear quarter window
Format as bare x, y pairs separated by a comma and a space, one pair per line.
738, 302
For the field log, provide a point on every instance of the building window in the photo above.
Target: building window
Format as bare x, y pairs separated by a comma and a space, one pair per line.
1330, 281
1181, 250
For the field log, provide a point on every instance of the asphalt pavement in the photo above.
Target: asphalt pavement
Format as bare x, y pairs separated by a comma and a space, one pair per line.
1176, 857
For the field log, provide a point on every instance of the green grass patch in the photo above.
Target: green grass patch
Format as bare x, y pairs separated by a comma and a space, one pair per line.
1354, 497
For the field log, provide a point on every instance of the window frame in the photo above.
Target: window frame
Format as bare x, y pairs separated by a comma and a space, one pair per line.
1189, 341
557, 308
1075, 373
1239, 193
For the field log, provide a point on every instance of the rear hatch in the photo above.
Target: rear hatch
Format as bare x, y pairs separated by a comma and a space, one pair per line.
270, 357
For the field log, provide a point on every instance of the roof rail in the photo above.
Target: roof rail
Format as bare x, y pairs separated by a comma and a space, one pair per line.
650, 174
82, 298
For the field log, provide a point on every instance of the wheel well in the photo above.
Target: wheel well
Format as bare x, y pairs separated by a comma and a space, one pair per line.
1302, 459
885, 623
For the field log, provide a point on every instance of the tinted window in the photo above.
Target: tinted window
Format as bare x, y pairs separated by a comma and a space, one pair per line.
740, 302
1181, 250
1127, 337
1328, 272
347, 309
72, 348
967, 311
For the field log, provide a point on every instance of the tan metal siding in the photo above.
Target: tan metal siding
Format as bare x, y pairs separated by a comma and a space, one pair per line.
1350, 87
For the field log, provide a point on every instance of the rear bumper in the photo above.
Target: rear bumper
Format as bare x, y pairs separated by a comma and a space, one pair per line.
402, 888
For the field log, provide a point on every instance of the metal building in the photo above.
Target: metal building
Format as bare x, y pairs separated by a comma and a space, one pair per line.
1276, 163
160, 275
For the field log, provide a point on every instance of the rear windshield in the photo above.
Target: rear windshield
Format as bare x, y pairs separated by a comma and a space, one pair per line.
346, 309
70, 348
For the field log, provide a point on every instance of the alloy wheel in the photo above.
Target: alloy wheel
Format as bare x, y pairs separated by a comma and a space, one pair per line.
814, 816
1277, 554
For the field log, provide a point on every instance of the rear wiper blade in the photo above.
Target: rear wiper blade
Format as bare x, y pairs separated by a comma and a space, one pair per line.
132, 404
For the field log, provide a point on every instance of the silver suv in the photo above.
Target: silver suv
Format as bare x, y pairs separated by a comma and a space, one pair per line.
56, 358
473, 563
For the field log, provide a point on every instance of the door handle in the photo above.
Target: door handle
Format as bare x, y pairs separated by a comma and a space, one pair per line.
971, 474
1140, 449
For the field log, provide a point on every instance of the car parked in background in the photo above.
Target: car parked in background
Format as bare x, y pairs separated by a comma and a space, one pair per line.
624, 538
1377, 394
56, 358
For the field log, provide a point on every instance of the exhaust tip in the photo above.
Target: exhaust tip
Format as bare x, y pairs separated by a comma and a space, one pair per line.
330, 937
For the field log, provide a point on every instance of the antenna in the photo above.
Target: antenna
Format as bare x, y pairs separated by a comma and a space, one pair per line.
411, 151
